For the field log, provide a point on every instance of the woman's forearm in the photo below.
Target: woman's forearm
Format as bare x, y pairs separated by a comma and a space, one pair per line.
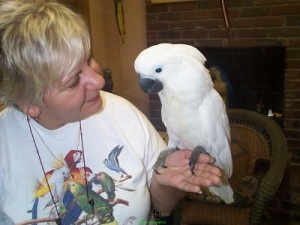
164, 198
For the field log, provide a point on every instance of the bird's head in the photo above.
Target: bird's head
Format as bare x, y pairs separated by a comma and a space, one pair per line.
169, 65
72, 186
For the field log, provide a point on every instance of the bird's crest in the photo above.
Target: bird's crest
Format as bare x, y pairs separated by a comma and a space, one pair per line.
59, 162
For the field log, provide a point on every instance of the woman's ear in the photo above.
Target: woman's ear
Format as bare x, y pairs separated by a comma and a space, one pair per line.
30, 110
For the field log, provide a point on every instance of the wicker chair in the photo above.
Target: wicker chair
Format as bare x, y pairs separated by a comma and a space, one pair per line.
259, 150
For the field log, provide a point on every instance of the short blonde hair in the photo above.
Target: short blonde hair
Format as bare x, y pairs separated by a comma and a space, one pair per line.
41, 43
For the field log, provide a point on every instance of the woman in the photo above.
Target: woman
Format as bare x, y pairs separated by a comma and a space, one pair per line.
68, 151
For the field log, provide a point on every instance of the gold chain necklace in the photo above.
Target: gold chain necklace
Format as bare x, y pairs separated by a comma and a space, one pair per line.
91, 202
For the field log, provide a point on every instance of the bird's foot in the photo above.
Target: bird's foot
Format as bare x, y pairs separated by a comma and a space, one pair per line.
160, 162
194, 157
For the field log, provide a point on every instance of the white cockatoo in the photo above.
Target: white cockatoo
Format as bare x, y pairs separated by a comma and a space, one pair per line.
192, 110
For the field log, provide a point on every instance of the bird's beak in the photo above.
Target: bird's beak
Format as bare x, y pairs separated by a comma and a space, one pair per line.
151, 86
93, 179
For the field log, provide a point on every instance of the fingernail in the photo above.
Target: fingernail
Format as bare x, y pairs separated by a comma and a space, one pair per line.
212, 160
200, 192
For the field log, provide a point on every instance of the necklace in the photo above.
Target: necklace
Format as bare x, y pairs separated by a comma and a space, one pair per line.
58, 220
48, 148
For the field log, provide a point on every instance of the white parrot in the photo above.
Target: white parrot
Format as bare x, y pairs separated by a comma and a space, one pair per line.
192, 110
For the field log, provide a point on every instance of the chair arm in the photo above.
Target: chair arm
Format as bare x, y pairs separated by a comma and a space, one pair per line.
273, 178
278, 158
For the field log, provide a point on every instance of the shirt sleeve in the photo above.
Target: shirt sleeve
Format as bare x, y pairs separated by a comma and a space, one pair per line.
154, 145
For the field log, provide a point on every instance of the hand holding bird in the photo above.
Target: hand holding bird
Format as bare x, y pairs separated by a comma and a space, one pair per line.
177, 172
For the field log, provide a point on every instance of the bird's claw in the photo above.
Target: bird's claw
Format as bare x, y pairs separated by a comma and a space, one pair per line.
160, 162
194, 157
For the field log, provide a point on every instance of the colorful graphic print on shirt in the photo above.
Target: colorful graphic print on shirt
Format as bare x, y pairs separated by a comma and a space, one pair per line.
82, 196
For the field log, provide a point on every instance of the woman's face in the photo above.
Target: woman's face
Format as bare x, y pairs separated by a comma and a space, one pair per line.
75, 98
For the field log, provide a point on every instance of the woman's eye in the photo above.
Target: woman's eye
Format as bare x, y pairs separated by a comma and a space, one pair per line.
75, 83
90, 60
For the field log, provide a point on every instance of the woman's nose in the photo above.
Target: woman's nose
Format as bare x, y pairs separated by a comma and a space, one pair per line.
95, 81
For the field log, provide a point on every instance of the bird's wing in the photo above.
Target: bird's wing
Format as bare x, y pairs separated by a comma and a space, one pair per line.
113, 155
206, 126
215, 124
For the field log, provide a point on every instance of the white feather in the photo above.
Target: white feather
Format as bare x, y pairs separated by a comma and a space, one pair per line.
192, 110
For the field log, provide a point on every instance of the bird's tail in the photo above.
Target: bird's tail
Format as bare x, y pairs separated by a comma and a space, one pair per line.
224, 192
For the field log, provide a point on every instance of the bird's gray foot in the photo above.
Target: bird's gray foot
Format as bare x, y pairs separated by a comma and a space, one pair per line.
194, 157
160, 162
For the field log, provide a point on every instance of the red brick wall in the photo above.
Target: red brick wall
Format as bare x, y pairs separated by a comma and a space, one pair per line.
252, 23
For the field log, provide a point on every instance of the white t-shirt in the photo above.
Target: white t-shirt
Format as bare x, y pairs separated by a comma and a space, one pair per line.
120, 148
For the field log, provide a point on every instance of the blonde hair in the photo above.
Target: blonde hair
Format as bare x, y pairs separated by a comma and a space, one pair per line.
41, 43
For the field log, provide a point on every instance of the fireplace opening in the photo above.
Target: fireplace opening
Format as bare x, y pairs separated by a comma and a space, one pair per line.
253, 76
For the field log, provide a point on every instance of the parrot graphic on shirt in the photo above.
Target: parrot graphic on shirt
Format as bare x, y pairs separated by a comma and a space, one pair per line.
95, 207
56, 180
107, 184
112, 162
192, 110
53, 182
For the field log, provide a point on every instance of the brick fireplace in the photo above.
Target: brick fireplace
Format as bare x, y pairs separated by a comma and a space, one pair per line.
263, 26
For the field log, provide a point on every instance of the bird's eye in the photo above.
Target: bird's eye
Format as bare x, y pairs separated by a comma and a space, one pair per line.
158, 70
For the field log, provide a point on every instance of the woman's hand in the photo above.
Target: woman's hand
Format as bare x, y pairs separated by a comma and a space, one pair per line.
178, 173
